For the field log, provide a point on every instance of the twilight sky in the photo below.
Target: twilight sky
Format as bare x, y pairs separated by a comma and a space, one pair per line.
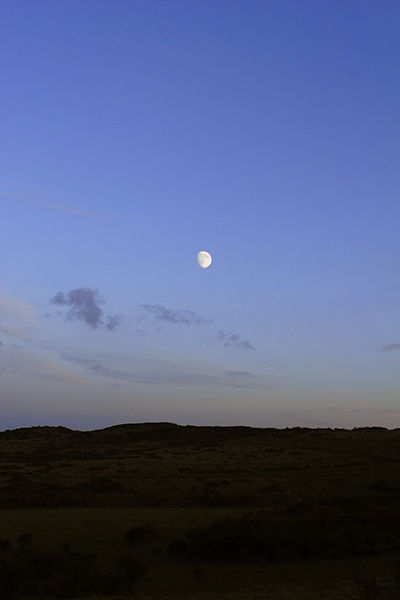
135, 134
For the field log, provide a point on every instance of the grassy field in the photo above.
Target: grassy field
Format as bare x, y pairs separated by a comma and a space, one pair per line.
163, 511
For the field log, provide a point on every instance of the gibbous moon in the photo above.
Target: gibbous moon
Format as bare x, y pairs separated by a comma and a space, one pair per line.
204, 259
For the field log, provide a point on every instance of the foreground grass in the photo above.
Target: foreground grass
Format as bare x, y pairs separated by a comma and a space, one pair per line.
102, 530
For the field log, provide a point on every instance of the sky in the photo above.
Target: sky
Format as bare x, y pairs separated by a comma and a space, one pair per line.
135, 134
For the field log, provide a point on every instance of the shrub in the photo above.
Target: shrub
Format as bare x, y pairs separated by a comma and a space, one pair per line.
142, 534
292, 535
5, 544
177, 546
367, 588
25, 540
65, 574
9, 578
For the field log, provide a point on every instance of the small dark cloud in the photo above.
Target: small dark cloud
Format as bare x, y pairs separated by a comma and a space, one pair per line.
1, 343
390, 347
245, 344
233, 339
84, 305
161, 313
238, 374
113, 321
59, 298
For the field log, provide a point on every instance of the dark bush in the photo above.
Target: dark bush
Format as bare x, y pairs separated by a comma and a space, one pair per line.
129, 570
293, 535
5, 544
142, 534
65, 574
367, 588
9, 578
385, 486
227, 539
15, 569
25, 540
177, 546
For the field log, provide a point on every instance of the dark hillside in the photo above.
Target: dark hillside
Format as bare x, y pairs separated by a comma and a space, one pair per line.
164, 464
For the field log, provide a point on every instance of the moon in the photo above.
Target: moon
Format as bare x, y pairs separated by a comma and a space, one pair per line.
204, 259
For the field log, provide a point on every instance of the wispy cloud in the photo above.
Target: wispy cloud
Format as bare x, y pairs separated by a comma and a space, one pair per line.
233, 339
147, 370
342, 416
161, 313
23, 364
17, 318
390, 347
12, 308
71, 210
13, 331
27, 193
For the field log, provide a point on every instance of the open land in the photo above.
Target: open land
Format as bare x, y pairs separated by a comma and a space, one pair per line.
161, 511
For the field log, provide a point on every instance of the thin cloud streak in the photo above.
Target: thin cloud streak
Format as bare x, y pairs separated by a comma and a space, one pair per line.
71, 210
233, 339
22, 193
23, 363
161, 313
343, 417
12, 308
13, 331
390, 347
146, 370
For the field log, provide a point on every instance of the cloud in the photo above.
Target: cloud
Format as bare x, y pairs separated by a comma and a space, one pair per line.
233, 339
113, 321
238, 374
161, 313
23, 363
84, 305
147, 370
245, 344
11, 308
38, 196
342, 416
17, 318
65, 208
13, 331
390, 347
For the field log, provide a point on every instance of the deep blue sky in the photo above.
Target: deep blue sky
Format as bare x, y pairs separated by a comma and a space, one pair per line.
135, 134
